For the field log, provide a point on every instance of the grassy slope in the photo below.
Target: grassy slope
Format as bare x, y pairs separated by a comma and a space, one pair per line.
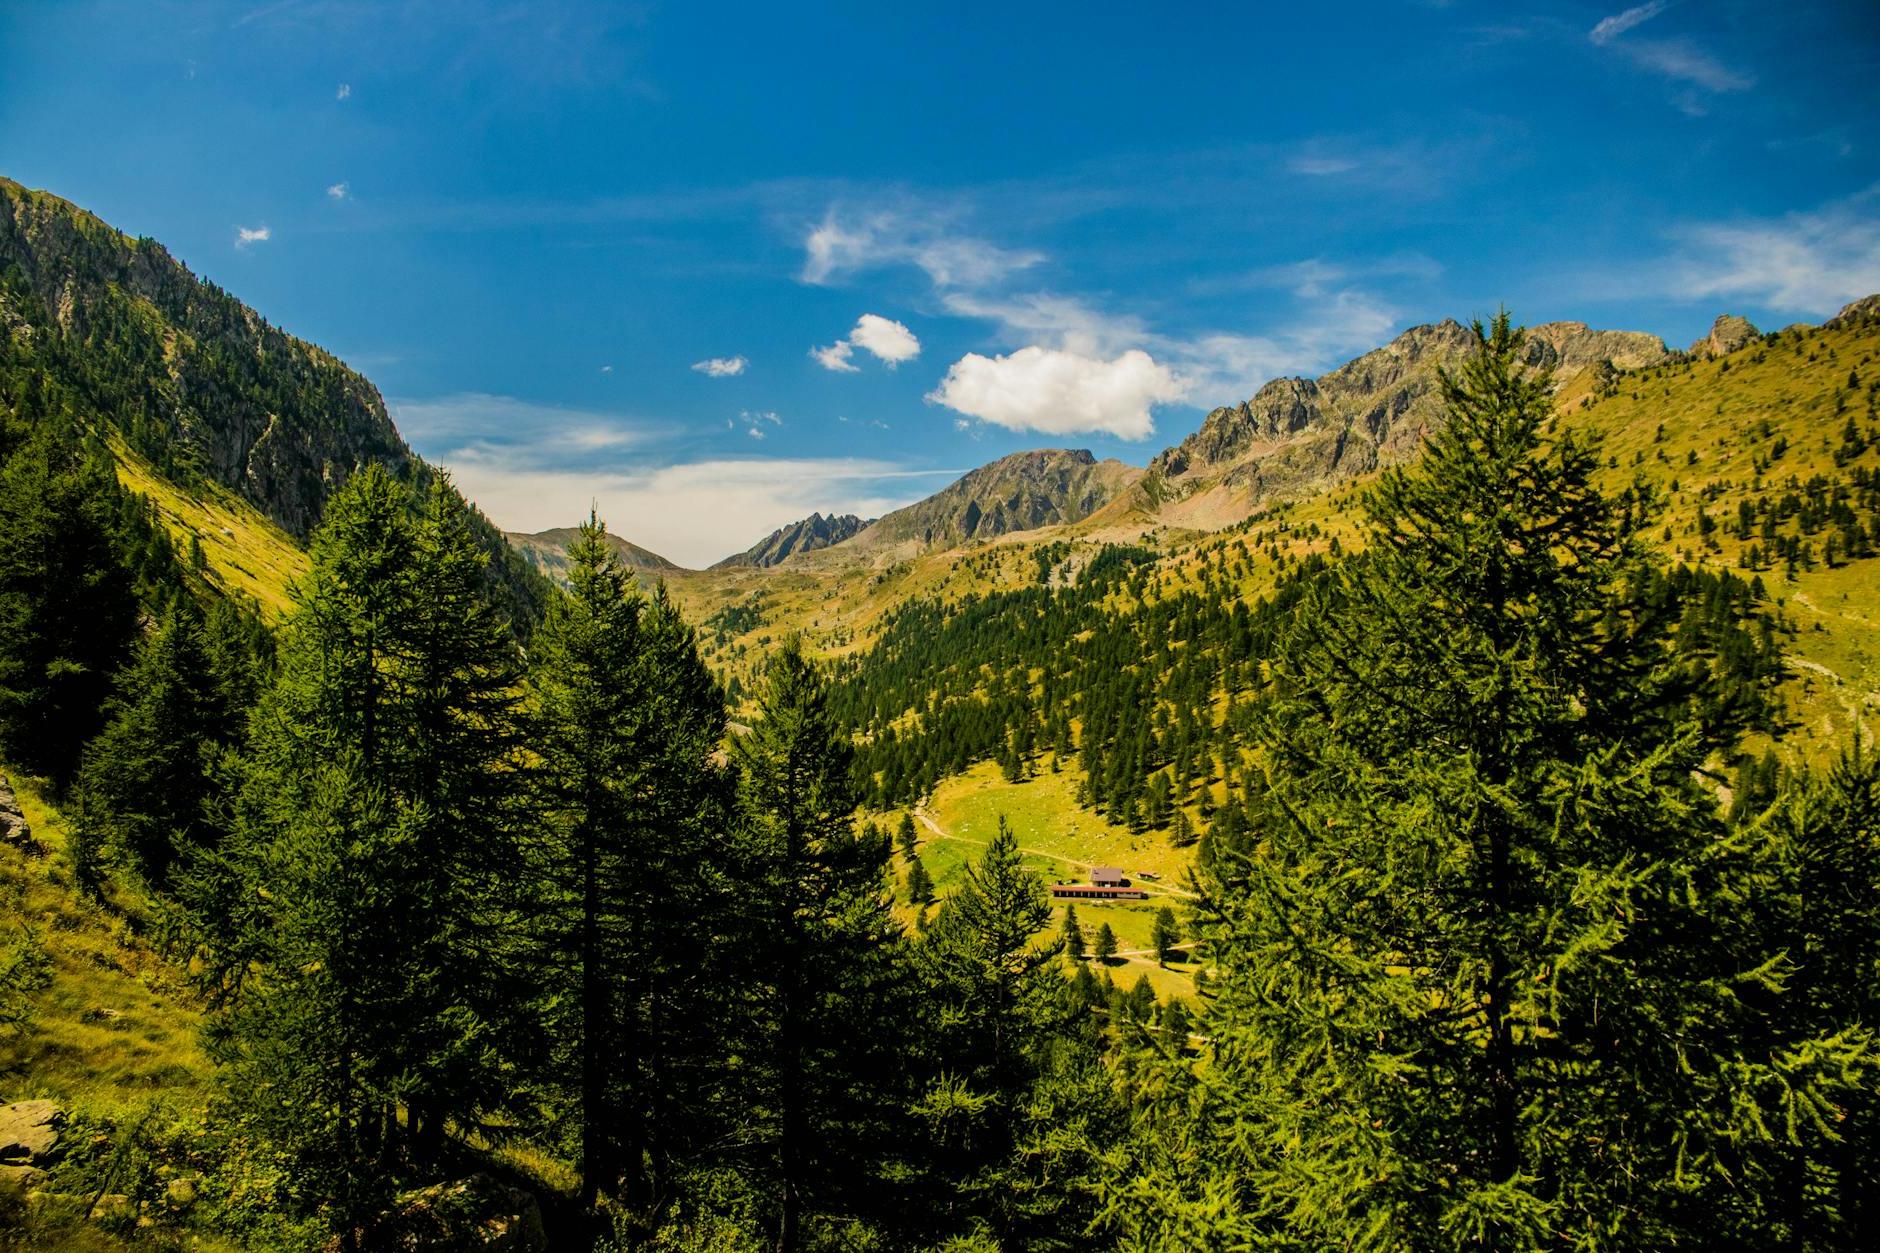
117, 1026
246, 552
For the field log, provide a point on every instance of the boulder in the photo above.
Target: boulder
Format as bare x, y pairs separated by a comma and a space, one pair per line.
478, 1214
13, 825
29, 1131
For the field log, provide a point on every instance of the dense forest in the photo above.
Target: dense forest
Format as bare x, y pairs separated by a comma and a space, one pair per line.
1515, 939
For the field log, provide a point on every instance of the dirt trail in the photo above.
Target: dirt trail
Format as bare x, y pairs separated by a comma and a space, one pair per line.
1154, 889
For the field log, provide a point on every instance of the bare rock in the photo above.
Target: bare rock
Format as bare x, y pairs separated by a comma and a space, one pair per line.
1866, 309
1727, 334
29, 1131
13, 825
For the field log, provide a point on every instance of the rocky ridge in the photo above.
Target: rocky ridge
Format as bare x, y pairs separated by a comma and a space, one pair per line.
1027, 490
803, 536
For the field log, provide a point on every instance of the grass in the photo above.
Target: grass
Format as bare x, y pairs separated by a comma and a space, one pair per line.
1059, 840
118, 1025
245, 551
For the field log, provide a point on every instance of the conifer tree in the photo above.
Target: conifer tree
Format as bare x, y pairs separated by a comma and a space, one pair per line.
1166, 934
372, 817
1074, 942
1106, 944
825, 954
1018, 1107
147, 775
919, 882
627, 723
68, 605
1480, 980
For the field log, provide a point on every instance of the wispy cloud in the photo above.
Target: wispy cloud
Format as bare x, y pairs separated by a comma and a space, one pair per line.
469, 420
339, 191
1809, 262
884, 339
1676, 59
1610, 28
247, 235
345, 90
721, 367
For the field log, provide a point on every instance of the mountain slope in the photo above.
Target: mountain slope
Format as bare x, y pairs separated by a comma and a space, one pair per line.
1021, 492
201, 387
547, 551
802, 536
1298, 433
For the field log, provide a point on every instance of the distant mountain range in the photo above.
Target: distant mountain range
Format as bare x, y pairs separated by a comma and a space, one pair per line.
804, 536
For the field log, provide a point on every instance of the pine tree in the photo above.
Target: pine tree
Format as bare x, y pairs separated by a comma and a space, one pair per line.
1074, 943
1480, 979
147, 775
826, 954
68, 605
919, 882
1166, 935
371, 820
627, 723
1106, 944
906, 837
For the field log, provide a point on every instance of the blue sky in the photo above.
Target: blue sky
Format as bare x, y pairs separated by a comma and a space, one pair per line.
715, 266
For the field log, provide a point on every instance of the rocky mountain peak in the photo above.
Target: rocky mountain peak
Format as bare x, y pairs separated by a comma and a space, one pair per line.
802, 536
1727, 334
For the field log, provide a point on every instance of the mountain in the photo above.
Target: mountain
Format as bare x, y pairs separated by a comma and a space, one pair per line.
1371, 411
198, 385
805, 535
547, 551
1022, 492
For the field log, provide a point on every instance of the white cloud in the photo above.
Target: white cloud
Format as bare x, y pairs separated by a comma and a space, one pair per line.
339, 191
884, 338
345, 90
607, 369
1610, 28
246, 235
693, 513
836, 357
721, 367
887, 339
1061, 393
1812, 262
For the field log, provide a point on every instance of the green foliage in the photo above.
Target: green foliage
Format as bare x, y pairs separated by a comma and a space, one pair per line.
1483, 979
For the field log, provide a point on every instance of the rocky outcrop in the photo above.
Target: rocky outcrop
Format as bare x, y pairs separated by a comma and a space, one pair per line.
14, 829
29, 1133
1371, 411
1026, 490
1866, 309
479, 1214
1727, 334
804, 536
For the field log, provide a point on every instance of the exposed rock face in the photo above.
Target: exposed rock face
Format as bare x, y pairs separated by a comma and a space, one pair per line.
1727, 334
29, 1132
1016, 493
1866, 309
474, 1215
807, 535
13, 826
547, 551
1370, 411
